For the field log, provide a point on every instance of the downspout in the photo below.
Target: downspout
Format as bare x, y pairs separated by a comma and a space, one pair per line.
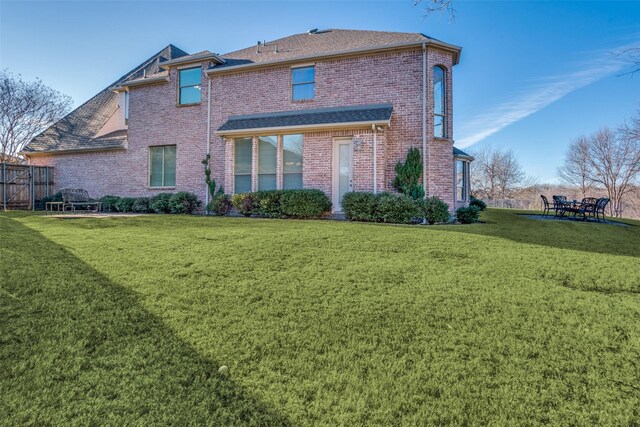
375, 159
206, 193
424, 120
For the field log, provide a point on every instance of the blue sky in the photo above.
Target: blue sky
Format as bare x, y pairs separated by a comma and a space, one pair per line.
532, 76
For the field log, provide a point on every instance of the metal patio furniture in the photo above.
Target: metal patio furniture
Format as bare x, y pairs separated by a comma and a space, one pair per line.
600, 207
78, 198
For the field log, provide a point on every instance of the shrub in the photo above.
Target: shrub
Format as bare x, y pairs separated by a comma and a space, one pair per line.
160, 203
244, 203
268, 203
468, 215
220, 204
141, 205
435, 210
42, 203
109, 203
125, 204
304, 203
398, 208
183, 202
407, 180
478, 203
360, 206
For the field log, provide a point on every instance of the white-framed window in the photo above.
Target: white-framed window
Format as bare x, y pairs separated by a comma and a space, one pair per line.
243, 160
162, 166
303, 83
267, 162
462, 180
439, 102
268, 168
189, 86
292, 162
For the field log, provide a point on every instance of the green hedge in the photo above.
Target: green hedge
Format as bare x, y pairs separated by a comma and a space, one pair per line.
361, 206
184, 203
398, 208
141, 205
393, 208
468, 215
304, 203
220, 204
435, 210
160, 203
125, 204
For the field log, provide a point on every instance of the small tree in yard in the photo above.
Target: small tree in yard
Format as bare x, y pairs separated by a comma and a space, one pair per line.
407, 180
26, 109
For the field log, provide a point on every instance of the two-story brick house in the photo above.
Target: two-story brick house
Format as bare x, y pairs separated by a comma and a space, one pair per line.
333, 110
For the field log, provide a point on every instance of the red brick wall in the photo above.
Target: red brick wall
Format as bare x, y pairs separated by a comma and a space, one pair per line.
154, 119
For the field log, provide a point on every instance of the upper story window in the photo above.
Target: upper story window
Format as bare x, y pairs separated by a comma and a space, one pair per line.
126, 107
189, 81
439, 102
303, 80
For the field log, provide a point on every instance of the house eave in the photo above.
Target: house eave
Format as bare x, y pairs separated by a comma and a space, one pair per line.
191, 60
303, 128
71, 151
141, 82
341, 54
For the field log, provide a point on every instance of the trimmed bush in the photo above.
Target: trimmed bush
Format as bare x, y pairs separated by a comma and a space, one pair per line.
361, 206
304, 203
267, 203
407, 180
141, 205
125, 204
398, 208
109, 203
183, 202
244, 203
220, 204
435, 210
160, 203
42, 203
478, 203
468, 215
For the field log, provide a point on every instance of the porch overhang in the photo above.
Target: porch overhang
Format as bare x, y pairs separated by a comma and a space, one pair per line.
352, 117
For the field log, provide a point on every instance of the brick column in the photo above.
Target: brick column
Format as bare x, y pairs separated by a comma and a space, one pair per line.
254, 164
279, 162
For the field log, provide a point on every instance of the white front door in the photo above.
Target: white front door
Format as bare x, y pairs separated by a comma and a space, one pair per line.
342, 170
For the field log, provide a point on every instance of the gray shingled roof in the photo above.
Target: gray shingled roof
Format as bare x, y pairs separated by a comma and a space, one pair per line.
77, 129
321, 116
459, 153
321, 42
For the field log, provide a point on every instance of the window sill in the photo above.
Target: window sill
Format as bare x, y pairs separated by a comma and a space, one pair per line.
160, 188
189, 105
303, 101
441, 138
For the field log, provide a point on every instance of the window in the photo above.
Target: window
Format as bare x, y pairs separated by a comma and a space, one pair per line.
162, 166
126, 107
292, 162
243, 158
189, 81
267, 162
439, 103
462, 171
303, 83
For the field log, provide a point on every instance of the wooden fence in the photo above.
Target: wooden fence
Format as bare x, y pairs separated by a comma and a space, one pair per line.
22, 186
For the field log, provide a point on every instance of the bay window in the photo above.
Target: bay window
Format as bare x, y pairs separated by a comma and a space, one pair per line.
243, 159
267, 162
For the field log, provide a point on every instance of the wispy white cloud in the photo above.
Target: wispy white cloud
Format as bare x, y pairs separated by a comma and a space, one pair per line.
543, 93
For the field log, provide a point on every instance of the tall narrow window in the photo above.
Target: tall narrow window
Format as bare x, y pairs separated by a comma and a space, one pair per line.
162, 166
461, 180
189, 83
292, 162
267, 162
439, 102
242, 165
303, 80
126, 107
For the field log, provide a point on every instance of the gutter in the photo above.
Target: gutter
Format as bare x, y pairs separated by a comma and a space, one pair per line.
350, 52
424, 120
191, 59
141, 82
346, 125
208, 150
29, 154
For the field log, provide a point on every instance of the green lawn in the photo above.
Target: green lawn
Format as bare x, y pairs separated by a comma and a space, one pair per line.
126, 320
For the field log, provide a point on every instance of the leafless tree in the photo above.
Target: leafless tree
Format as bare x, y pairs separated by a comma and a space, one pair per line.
432, 6
497, 174
575, 170
26, 109
612, 162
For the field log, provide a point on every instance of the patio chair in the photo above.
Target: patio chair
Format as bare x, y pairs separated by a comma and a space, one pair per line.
546, 206
586, 208
601, 205
78, 198
560, 205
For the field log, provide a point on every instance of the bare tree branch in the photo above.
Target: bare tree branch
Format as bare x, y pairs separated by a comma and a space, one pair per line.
439, 6
497, 174
26, 109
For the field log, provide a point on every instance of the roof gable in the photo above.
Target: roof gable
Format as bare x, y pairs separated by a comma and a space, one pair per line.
77, 130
